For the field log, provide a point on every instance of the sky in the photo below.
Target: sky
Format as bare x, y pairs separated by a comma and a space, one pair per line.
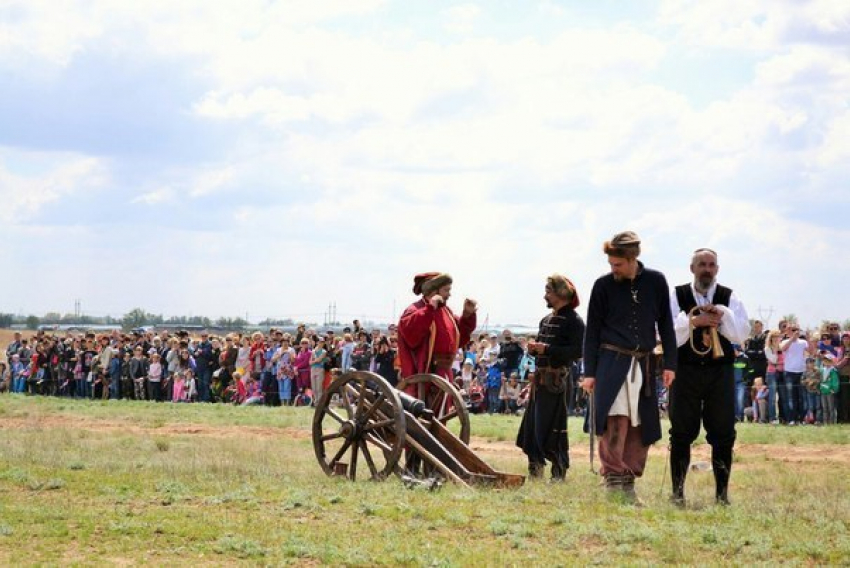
260, 158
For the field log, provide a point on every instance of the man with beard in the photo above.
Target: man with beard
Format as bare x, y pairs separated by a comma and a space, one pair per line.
704, 390
429, 333
626, 307
429, 336
543, 431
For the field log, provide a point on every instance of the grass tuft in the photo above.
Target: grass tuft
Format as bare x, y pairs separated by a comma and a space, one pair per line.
239, 547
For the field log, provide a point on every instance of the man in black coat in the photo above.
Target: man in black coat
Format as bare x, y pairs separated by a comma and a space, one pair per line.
543, 432
625, 308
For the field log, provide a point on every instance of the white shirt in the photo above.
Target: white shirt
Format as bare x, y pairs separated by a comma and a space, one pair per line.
795, 355
734, 325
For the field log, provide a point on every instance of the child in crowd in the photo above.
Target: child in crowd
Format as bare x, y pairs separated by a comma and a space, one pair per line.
253, 392
760, 396
828, 387
190, 391
17, 372
509, 395
811, 385
154, 377
284, 359
235, 391
495, 378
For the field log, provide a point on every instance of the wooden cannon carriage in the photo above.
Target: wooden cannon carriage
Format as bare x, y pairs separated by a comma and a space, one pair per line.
363, 427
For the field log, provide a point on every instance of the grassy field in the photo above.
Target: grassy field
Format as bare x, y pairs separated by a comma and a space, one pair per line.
142, 483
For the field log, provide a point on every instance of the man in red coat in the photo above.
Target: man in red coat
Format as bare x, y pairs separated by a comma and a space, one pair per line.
429, 334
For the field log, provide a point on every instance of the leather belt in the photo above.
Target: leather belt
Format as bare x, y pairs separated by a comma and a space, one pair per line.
623, 351
637, 355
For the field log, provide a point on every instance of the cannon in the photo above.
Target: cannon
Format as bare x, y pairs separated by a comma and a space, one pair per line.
363, 427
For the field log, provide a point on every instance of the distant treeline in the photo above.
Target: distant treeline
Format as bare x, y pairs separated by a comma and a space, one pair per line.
136, 317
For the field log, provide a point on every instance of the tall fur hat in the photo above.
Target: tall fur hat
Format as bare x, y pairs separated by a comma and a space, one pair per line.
428, 282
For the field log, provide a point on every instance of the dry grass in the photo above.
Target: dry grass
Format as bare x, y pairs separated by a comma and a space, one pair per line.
133, 483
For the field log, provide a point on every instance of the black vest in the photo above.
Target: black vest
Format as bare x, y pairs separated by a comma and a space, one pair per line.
687, 356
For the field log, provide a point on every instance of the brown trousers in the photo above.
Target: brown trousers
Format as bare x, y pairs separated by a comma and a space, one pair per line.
621, 449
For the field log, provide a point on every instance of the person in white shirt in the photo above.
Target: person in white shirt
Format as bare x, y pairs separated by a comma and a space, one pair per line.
704, 390
796, 350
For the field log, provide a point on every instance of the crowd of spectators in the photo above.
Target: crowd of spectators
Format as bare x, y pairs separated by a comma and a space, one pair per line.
792, 376
784, 376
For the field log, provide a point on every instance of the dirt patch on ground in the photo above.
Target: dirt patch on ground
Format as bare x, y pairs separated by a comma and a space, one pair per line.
203, 430
786, 453
836, 454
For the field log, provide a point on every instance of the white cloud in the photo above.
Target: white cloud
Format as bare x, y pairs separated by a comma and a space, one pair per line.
753, 25
461, 18
23, 193
212, 180
43, 30
161, 195
500, 159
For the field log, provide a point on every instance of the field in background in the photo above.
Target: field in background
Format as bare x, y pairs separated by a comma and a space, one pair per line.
131, 483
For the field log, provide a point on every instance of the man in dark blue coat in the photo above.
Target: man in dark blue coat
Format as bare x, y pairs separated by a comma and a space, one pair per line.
627, 308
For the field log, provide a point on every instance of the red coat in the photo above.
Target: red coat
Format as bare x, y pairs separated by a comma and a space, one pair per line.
424, 331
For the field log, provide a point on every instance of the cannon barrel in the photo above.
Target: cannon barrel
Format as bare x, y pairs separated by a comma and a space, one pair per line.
413, 405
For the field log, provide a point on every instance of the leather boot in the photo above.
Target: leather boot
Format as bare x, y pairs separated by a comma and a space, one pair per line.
721, 464
680, 460
629, 492
613, 482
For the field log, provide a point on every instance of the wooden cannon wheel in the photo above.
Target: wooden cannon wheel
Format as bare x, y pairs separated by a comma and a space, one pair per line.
359, 415
444, 400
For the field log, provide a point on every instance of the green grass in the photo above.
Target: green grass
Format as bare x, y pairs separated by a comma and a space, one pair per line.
133, 483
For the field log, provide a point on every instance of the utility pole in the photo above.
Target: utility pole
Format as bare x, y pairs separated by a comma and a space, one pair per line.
765, 319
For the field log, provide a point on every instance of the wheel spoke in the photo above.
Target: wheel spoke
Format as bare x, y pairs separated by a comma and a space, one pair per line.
375, 406
377, 425
346, 399
444, 404
332, 413
339, 454
377, 441
331, 436
368, 457
445, 418
361, 402
352, 469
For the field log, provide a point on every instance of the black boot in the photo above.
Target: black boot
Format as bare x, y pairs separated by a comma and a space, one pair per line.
559, 470
535, 469
680, 460
721, 464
